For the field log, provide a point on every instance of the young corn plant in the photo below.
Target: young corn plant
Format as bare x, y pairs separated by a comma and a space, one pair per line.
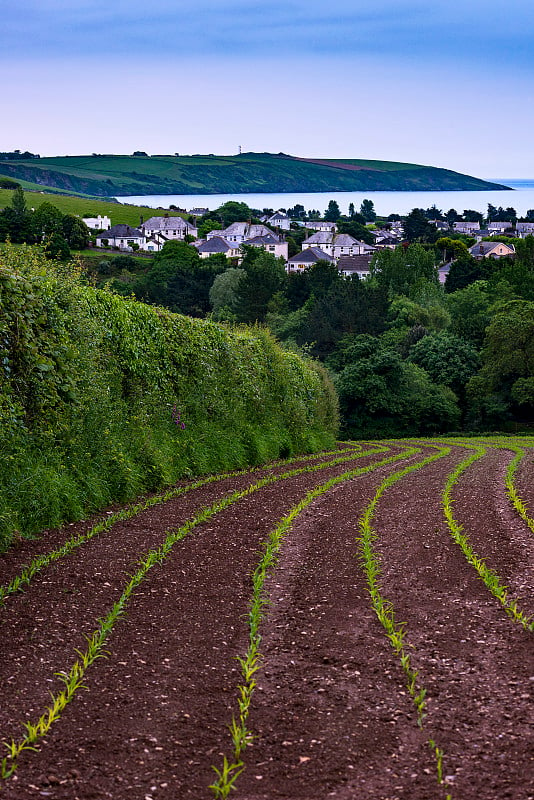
21, 581
74, 678
518, 504
383, 608
489, 576
251, 662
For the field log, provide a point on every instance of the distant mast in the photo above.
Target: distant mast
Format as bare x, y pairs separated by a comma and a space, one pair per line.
239, 149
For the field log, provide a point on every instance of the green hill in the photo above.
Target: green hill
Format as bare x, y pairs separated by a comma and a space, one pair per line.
119, 175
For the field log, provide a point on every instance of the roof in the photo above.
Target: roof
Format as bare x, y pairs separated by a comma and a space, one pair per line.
166, 223
216, 245
321, 237
278, 215
120, 232
310, 256
354, 263
269, 238
319, 223
345, 240
483, 248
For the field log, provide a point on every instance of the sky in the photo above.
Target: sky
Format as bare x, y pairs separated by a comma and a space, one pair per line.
447, 84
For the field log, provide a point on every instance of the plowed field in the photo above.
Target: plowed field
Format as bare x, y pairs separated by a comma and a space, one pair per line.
350, 625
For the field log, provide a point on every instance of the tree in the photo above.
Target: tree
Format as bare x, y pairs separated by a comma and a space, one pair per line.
75, 232
332, 213
470, 311
264, 276
473, 216
417, 228
452, 216
223, 292
56, 247
380, 395
463, 271
402, 269
233, 211
46, 220
351, 210
356, 229
447, 358
506, 378
367, 210
207, 225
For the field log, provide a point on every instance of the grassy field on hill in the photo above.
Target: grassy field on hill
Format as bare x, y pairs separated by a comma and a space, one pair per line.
122, 175
84, 206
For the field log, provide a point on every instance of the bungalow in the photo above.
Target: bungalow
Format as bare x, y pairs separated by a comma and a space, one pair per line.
271, 243
121, 236
491, 250
355, 265
171, 227
217, 244
307, 258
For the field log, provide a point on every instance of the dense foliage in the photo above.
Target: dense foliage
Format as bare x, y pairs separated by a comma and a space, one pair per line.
102, 398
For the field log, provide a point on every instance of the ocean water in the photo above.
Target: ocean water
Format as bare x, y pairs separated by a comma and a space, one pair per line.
520, 196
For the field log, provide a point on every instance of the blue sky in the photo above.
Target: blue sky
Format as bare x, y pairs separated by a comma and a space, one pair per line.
445, 83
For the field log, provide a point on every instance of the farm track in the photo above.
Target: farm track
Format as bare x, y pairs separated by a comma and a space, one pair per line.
331, 712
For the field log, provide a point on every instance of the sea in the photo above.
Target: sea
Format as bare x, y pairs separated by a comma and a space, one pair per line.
520, 196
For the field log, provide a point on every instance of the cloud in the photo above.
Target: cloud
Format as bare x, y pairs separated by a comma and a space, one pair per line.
234, 29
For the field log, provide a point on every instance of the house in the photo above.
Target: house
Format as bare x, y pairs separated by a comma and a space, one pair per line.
172, 227
337, 244
523, 229
355, 265
499, 227
98, 223
491, 250
279, 220
439, 224
239, 232
307, 258
121, 236
271, 243
321, 225
217, 244
199, 212
467, 227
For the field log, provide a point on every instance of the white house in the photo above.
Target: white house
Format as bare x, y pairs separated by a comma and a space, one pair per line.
499, 227
239, 232
524, 229
466, 227
173, 228
271, 243
279, 220
218, 244
307, 258
121, 236
98, 223
337, 244
355, 265
321, 225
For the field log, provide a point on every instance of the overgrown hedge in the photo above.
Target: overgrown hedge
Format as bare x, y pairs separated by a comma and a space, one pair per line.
102, 398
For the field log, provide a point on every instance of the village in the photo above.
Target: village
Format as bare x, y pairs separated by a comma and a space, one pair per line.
324, 242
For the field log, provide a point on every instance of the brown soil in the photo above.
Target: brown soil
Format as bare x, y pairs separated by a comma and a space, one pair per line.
331, 714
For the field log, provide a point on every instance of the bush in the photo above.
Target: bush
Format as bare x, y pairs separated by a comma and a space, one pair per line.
91, 385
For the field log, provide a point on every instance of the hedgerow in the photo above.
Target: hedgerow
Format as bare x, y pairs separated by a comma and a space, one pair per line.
103, 398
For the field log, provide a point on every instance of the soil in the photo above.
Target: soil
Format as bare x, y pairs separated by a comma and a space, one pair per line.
331, 714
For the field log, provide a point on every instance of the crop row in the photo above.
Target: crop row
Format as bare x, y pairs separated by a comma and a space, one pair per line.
73, 678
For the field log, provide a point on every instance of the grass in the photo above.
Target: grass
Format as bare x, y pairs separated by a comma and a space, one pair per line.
79, 206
